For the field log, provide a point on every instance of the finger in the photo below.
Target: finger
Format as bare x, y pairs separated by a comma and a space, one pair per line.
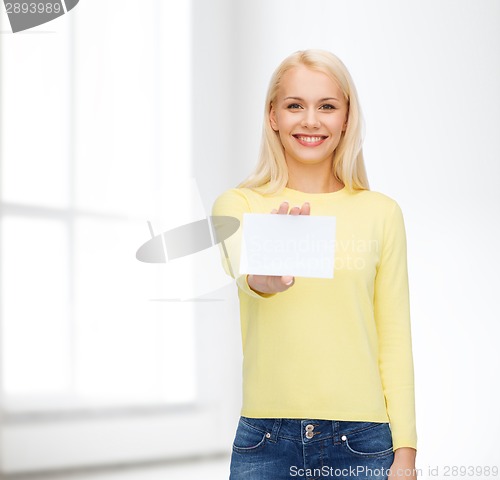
295, 211
306, 209
287, 280
283, 208
274, 210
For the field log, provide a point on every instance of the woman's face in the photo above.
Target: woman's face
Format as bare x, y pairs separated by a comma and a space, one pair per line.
309, 114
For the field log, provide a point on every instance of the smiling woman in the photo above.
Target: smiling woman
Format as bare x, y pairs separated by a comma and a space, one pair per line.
315, 88
327, 364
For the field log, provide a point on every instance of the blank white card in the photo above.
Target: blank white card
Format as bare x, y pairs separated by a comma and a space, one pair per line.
298, 245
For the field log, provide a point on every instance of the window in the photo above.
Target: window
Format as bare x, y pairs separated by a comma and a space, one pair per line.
95, 111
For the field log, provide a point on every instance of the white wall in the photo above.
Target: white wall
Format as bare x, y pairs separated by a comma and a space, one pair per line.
427, 74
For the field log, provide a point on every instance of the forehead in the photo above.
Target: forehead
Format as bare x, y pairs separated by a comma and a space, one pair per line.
306, 83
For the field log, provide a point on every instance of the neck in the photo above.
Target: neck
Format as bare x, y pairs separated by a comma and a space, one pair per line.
312, 178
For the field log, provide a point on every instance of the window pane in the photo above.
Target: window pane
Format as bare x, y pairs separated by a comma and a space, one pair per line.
176, 351
117, 107
128, 347
36, 88
34, 259
132, 103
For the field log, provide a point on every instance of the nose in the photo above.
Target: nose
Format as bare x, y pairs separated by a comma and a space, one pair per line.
310, 119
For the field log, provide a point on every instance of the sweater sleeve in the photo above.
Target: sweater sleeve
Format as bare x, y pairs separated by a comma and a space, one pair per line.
392, 317
233, 203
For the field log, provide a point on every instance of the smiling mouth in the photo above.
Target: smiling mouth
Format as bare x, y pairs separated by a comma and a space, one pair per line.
310, 140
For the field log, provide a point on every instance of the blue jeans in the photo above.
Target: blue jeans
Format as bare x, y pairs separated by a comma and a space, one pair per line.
308, 449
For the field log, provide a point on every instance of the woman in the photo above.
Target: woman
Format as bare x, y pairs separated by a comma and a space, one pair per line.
328, 388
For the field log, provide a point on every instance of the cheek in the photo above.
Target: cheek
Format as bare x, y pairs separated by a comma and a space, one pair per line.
337, 124
281, 124
283, 137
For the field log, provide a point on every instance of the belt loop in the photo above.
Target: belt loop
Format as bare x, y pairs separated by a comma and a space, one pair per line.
276, 429
336, 431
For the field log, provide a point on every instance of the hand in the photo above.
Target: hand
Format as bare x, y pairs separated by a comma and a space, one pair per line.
403, 466
271, 283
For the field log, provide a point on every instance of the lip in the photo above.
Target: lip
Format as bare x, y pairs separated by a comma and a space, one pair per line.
298, 136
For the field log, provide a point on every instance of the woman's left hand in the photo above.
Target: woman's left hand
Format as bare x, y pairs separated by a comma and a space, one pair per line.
403, 466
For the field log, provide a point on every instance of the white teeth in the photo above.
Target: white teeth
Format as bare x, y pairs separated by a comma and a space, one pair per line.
310, 139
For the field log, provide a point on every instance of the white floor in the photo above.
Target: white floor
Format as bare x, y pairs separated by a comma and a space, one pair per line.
216, 469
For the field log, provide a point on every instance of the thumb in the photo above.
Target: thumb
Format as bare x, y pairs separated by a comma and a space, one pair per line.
287, 280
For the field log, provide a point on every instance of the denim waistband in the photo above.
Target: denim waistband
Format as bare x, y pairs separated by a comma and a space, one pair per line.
306, 429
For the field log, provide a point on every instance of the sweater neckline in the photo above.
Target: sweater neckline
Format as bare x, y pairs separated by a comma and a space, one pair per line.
325, 195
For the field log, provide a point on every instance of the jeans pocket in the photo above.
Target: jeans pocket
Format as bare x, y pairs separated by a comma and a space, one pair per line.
375, 440
249, 438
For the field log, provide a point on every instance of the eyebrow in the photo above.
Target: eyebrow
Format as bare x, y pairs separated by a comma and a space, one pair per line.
321, 100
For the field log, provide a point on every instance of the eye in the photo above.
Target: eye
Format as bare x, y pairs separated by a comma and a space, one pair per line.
293, 106
328, 106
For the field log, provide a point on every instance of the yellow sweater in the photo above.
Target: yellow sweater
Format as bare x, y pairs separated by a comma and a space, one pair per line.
340, 348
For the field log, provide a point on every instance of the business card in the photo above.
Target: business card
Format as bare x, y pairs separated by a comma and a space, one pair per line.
297, 245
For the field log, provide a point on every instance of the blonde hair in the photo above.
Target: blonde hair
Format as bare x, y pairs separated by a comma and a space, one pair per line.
271, 173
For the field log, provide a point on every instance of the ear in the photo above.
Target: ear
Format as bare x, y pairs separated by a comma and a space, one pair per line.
344, 127
272, 119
